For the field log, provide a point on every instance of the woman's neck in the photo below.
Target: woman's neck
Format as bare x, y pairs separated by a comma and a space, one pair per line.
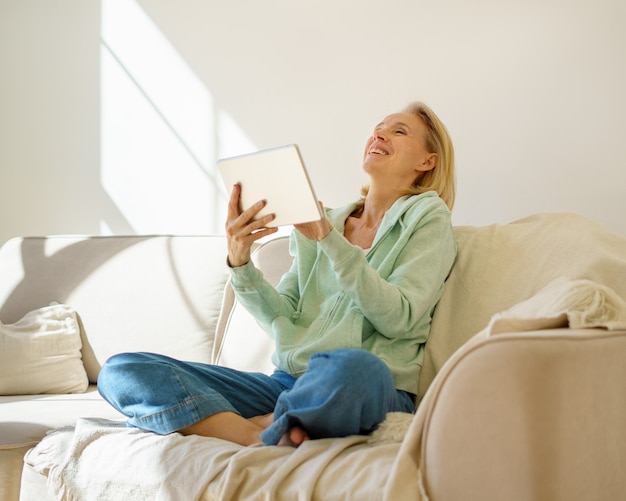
375, 205
362, 225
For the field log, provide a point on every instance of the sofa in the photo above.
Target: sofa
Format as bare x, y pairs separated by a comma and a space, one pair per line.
522, 395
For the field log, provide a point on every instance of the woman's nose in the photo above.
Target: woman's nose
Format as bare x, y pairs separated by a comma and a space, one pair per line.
379, 134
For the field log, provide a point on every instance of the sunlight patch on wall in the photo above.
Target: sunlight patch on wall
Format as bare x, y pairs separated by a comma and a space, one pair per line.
161, 131
232, 140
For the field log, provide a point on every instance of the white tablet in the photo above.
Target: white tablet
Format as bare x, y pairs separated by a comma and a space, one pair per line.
277, 175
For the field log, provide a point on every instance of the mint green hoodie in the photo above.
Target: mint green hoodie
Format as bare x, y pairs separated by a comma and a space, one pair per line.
336, 296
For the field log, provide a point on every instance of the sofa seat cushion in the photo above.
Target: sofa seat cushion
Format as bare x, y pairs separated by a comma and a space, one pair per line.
25, 419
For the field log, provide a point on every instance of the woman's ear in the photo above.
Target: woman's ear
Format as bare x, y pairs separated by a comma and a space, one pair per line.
429, 163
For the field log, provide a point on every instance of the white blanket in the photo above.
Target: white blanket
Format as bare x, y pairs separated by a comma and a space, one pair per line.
105, 460
578, 304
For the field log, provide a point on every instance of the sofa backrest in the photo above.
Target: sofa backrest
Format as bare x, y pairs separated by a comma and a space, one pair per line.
170, 294
498, 266
132, 293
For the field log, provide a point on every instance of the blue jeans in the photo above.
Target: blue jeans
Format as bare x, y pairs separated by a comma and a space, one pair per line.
343, 392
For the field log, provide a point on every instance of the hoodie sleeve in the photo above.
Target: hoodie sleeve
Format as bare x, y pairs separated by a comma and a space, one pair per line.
398, 294
262, 299
258, 296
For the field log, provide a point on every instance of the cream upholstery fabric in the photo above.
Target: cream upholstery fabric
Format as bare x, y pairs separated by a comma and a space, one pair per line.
160, 293
536, 415
11, 464
499, 266
132, 293
24, 421
245, 346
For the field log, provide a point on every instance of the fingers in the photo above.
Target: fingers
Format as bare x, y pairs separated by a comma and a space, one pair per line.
255, 226
246, 224
243, 216
240, 239
242, 229
234, 208
248, 216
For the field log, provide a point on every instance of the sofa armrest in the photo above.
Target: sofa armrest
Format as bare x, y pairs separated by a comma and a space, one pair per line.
240, 342
534, 415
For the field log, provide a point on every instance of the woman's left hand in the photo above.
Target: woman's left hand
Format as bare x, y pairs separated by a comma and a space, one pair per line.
315, 230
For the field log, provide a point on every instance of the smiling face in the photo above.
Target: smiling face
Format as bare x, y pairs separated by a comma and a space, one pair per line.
396, 152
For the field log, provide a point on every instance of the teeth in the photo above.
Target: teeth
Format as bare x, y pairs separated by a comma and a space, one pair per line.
377, 151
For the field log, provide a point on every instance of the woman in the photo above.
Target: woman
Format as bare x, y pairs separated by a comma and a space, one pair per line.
349, 319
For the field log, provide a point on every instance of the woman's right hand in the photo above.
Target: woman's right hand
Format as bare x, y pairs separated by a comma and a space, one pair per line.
242, 230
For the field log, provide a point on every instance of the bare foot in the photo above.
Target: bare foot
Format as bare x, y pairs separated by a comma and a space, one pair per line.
294, 437
263, 421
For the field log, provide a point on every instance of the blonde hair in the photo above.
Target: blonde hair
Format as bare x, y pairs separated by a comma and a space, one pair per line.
441, 178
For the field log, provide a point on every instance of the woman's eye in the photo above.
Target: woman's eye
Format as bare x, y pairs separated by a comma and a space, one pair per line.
401, 131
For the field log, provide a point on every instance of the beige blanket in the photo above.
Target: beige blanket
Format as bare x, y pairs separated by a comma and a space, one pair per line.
105, 460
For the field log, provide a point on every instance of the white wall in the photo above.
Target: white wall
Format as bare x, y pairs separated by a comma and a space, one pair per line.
49, 117
532, 93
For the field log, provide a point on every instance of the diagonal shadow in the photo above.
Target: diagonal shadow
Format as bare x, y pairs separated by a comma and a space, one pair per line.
45, 278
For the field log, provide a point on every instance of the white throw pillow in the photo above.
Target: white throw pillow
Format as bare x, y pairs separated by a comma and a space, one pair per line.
41, 353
